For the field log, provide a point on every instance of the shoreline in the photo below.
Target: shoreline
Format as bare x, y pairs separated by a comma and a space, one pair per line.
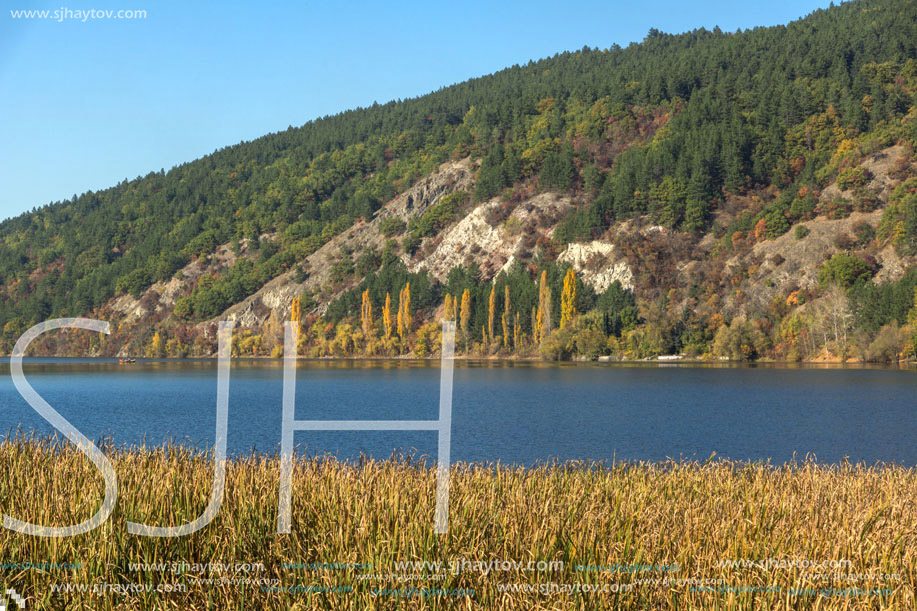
502, 360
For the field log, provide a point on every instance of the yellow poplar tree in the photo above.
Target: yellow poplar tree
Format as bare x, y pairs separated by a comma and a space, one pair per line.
505, 325
534, 325
387, 316
400, 319
516, 334
366, 314
491, 307
568, 299
296, 311
505, 318
296, 317
273, 331
156, 345
546, 321
465, 315
448, 308
543, 318
404, 312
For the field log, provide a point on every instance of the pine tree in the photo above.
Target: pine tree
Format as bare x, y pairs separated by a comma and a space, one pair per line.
387, 316
568, 299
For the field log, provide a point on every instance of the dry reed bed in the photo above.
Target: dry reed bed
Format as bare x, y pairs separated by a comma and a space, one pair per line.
687, 514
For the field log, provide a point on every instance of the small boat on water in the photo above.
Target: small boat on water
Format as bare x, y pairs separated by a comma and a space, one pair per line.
126, 361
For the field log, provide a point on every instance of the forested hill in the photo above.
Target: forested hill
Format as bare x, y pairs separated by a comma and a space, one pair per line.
663, 181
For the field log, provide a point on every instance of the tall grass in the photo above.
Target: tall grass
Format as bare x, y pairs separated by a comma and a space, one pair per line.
687, 514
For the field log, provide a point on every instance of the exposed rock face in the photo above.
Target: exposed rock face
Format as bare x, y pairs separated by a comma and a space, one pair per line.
494, 246
801, 257
471, 236
879, 165
278, 294
128, 307
161, 296
893, 267
773, 267
452, 176
785, 263
598, 264
170, 292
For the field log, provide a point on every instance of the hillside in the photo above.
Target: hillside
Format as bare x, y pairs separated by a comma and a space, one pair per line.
738, 195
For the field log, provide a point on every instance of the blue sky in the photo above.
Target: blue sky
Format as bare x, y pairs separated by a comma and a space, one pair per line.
85, 104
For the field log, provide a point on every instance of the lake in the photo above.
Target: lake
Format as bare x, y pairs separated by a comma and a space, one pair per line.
522, 413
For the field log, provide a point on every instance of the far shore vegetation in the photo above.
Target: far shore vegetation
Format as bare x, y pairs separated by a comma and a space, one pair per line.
558, 318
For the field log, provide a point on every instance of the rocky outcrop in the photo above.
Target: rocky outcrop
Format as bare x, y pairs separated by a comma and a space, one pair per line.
278, 294
493, 235
879, 165
598, 264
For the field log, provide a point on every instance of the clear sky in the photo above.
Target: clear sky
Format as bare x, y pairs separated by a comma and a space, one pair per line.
85, 104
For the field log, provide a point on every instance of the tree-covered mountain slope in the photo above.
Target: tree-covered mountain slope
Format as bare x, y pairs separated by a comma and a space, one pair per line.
742, 195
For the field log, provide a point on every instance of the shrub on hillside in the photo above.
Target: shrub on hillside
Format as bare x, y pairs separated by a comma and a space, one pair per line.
844, 241
863, 232
853, 178
392, 226
844, 270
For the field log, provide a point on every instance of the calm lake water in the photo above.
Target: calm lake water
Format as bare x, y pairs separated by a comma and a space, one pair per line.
513, 413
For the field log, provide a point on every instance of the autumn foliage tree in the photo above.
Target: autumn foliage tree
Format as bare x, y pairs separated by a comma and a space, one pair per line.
296, 310
465, 315
543, 315
505, 318
387, 316
516, 334
366, 314
404, 313
491, 312
296, 318
156, 345
568, 299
